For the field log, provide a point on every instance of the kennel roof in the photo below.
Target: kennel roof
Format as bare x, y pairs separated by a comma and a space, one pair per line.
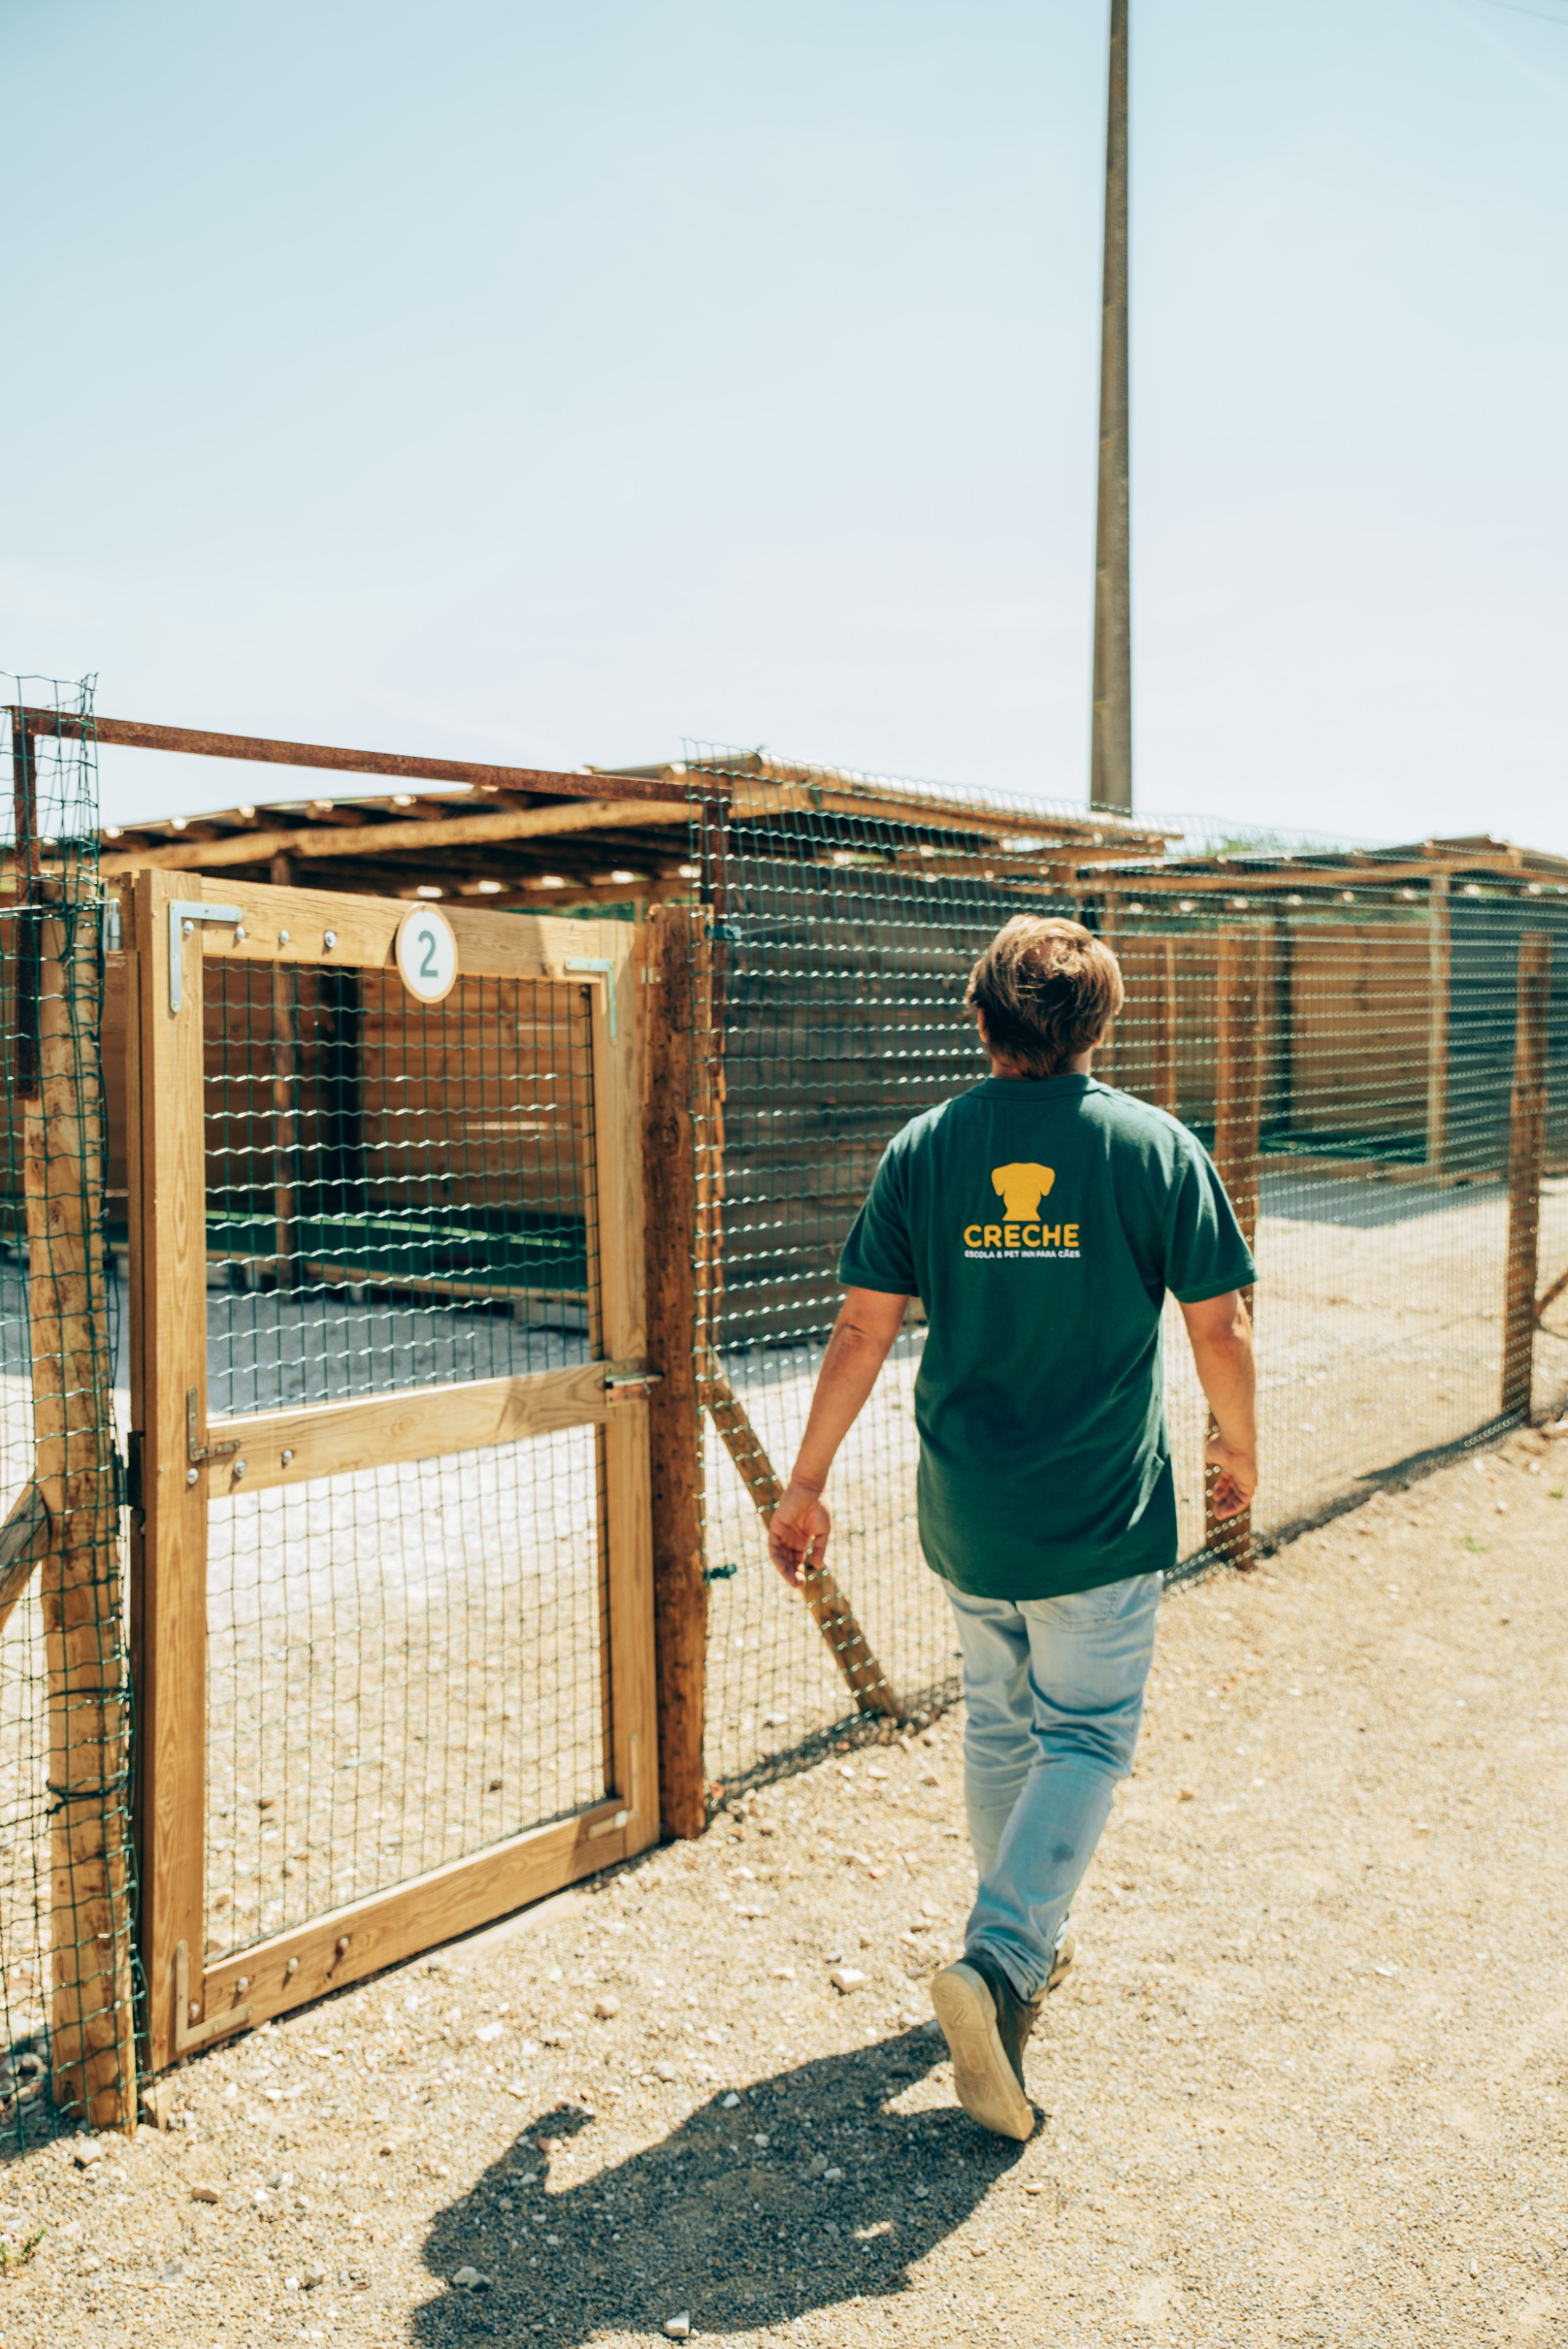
531, 836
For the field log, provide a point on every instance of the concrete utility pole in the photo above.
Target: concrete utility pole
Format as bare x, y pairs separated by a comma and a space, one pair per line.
1110, 764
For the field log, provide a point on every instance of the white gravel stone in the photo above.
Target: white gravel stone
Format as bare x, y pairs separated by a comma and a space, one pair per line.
678, 2328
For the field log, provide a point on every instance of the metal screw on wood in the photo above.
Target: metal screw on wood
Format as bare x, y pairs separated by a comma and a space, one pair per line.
239, 1469
282, 937
292, 1968
287, 1457
191, 1475
330, 939
187, 929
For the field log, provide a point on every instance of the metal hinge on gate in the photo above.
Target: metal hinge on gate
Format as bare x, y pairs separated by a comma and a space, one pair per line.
625, 1377
605, 969
183, 916
195, 1450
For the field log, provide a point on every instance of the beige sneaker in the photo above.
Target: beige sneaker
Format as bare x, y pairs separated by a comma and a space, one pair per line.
985, 2025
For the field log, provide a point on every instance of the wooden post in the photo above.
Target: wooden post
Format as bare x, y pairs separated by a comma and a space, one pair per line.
674, 1039
286, 1087
1108, 1057
166, 1170
1162, 1088
1526, 1154
92, 2022
1439, 956
1237, 1106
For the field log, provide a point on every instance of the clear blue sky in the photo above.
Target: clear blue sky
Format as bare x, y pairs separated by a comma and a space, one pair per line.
552, 383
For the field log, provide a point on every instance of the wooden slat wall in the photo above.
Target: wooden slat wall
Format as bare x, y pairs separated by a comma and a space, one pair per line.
1361, 1012
496, 1092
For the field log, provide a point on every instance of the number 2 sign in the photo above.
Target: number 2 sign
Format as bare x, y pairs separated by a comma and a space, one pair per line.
427, 954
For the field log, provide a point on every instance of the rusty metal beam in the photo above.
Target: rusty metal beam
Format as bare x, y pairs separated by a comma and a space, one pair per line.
131, 734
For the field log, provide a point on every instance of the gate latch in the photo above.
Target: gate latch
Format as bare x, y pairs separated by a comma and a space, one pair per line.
196, 1450
626, 1377
183, 916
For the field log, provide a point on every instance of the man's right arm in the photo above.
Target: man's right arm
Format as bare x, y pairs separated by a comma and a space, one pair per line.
1220, 1331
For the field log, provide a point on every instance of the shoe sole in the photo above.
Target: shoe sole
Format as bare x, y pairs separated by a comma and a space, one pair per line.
983, 2078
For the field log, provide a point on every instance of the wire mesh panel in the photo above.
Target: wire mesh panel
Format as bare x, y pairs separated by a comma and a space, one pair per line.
405, 1665
1347, 1054
397, 1192
67, 2023
405, 1670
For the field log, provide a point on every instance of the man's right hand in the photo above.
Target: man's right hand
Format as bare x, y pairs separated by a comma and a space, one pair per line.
1237, 1480
799, 1531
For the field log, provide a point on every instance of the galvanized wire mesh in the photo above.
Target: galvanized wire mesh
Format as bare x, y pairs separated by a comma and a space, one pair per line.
405, 1662
1374, 1134
67, 2022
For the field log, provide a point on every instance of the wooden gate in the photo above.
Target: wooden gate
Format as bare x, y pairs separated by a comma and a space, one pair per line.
392, 1633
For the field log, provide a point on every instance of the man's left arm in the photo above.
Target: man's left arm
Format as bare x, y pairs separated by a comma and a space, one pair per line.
869, 1321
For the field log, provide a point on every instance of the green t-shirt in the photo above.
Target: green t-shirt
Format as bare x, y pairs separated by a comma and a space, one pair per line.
1041, 1221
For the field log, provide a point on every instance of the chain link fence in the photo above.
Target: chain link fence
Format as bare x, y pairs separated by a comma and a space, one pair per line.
1351, 1052
67, 1985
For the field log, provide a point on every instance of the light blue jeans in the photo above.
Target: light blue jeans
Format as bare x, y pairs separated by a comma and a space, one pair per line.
1054, 1689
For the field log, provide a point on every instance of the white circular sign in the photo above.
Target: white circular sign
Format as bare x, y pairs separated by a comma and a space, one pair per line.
427, 954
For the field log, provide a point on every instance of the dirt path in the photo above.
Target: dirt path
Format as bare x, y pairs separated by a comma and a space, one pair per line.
1310, 2084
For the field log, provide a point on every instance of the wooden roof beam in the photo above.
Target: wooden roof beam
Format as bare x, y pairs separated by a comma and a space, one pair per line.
379, 839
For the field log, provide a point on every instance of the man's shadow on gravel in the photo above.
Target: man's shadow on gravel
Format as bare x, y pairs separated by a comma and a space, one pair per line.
739, 2232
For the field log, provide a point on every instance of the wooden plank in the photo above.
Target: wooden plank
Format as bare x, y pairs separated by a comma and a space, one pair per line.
428, 834
137, 734
829, 1610
618, 1240
670, 1026
340, 1439
1439, 966
23, 1542
1526, 1152
292, 925
349, 1943
92, 2035
168, 1247
1237, 1115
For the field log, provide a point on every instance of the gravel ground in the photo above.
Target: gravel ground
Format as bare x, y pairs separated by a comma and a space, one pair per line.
1308, 2083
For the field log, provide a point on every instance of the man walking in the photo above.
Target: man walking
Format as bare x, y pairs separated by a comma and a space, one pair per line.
1041, 1217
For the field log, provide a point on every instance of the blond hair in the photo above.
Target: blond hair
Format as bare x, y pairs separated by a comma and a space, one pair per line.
1048, 989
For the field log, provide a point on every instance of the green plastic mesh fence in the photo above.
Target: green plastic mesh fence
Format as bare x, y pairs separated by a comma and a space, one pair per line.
1346, 1048
66, 1957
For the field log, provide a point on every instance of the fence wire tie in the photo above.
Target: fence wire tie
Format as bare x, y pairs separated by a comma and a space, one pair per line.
84, 1794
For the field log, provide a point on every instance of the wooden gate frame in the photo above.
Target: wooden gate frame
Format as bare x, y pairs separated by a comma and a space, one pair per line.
191, 2003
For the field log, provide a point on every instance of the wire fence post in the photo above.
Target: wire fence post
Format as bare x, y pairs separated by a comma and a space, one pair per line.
1237, 1116
1439, 960
92, 2034
676, 1037
1526, 1154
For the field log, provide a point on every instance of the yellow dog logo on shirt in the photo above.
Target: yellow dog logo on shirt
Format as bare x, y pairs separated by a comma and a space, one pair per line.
1020, 1189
